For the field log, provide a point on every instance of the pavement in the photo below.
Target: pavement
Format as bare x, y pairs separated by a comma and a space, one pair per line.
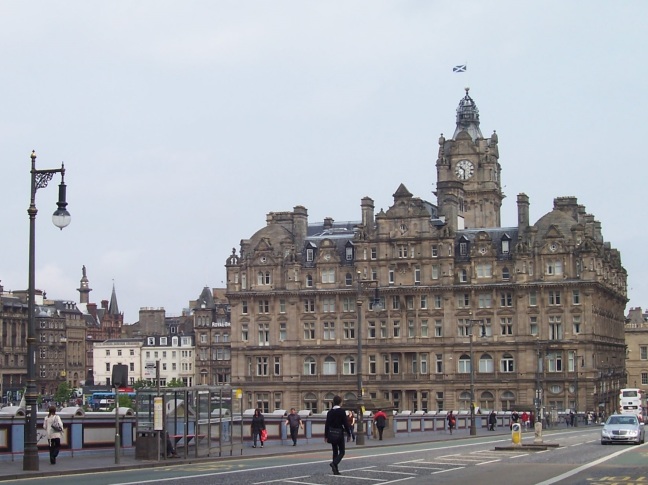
104, 460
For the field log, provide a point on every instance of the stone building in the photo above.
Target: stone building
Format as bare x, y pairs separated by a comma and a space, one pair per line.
636, 335
546, 299
13, 346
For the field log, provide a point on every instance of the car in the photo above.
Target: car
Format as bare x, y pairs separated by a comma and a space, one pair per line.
623, 428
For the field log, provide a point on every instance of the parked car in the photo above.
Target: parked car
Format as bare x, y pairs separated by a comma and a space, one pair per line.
623, 428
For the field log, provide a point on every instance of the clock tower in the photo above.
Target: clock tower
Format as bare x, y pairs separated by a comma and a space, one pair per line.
468, 173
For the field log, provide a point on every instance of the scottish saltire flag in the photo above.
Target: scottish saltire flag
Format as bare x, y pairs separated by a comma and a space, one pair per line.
459, 68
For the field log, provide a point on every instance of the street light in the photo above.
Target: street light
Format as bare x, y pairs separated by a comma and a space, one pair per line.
473, 428
60, 218
360, 438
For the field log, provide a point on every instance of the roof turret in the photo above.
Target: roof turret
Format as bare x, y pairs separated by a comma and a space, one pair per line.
468, 118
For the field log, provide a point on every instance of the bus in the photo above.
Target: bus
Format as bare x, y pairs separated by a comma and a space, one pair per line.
632, 401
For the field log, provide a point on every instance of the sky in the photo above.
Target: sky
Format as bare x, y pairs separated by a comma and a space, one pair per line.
183, 123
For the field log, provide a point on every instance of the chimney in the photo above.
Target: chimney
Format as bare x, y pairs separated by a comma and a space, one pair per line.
523, 213
367, 208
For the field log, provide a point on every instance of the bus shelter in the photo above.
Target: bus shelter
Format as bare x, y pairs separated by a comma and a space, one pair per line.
194, 421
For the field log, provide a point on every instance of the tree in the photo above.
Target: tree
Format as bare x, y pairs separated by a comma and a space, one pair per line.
64, 393
175, 383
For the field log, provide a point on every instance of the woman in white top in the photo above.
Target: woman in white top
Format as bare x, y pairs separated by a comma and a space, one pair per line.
51, 422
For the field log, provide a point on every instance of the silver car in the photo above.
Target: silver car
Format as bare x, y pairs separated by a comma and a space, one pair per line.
623, 428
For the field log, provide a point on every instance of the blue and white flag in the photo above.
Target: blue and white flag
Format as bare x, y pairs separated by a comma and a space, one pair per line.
459, 68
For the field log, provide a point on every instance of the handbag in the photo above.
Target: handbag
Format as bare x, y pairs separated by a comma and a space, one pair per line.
335, 435
264, 435
56, 426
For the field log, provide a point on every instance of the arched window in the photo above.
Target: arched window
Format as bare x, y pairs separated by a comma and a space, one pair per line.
348, 280
330, 366
309, 280
464, 400
310, 366
486, 401
260, 278
508, 400
464, 364
328, 400
486, 363
349, 367
310, 402
349, 396
507, 364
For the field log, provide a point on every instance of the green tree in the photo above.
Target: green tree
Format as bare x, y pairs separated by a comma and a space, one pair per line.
175, 383
141, 384
64, 393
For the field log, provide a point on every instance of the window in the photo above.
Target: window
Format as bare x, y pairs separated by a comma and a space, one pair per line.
264, 306
203, 338
435, 251
464, 364
131, 367
395, 302
348, 304
533, 325
507, 364
119, 352
309, 330
485, 300
643, 352
424, 304
533, 298
417, 275
424, 328
282, 306
310, 367
463, 248
309, 281
262, 366
506, 299
554, 297
107, 366
463, 300
328, 305
348, 279
484, 270
576, 324
328, 276
402, 251
438, 302
644, 378
396, 329
435, 272
371, 331
163, 340
131, 352
244, 332
329, 330
374, 274
576, 297
372, 364
310, 253
349, 253
277, 365
555, 328
486, 364
383, 329
506, 246
554, 362
506, 274
330, 366
374, 253
107, 352
391, 276
264, 334
348, 367
506, 326
463, 327
554, 268
244, 307
349, 330
438, 328
409, 302
463, 276
411, 329
309, 305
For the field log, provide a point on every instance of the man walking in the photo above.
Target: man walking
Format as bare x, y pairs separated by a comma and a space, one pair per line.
335, 428
380, 418
294, 422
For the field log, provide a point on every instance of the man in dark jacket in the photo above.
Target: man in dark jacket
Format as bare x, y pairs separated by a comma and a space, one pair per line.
335, 428
380, 418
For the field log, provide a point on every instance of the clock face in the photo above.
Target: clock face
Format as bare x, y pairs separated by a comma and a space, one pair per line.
464, 169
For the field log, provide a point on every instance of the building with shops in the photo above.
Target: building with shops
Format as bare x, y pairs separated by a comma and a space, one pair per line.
396, 295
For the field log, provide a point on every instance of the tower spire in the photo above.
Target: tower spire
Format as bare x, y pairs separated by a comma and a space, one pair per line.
113, 308
468, 117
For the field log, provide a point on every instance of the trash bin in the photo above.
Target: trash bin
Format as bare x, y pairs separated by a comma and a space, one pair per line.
146, 445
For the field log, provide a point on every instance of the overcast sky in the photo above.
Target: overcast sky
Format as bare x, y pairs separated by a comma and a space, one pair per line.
183, 123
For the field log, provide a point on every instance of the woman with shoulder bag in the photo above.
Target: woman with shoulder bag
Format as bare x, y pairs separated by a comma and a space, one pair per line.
337, 425
256, 427
54, 428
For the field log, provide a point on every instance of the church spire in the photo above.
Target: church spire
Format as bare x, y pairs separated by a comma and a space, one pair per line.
84, 287
113, 308
468, 118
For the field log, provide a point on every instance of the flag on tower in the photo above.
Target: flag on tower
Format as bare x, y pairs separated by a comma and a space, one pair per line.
459, 68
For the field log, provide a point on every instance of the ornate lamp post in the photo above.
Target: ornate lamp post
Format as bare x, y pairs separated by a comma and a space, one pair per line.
360, 438
60, 218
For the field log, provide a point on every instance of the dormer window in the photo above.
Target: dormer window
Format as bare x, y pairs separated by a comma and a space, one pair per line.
349, 253
151, 341
463, 246
163, 340
506, 244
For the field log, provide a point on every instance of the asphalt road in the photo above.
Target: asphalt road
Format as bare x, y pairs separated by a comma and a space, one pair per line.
579, 459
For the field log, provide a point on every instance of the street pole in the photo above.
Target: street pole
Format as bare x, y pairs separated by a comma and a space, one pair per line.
360, 437
60, 218
473, 428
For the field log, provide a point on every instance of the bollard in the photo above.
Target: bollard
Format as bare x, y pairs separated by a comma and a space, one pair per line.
538, 432
516, 434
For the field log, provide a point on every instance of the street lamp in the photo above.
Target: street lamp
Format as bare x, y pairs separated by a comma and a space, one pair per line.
360, 438
60, 218
473, 428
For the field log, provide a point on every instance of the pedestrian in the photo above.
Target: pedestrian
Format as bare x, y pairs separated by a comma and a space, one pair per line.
380, 418
492, 420
54, 428
525, 420
572, 418
294, 422
257, 425
335, 428
515, 417
351, 420
452, 421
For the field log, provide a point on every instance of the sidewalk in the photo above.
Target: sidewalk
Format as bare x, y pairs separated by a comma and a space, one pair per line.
103, 460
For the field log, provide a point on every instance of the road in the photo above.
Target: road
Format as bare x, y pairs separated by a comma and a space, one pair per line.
579, 459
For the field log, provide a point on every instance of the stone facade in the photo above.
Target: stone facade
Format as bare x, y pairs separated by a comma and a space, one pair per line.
548, 299
636, 335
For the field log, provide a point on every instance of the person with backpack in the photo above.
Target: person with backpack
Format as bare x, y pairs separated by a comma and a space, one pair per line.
54, 429
452, 421
380, 418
